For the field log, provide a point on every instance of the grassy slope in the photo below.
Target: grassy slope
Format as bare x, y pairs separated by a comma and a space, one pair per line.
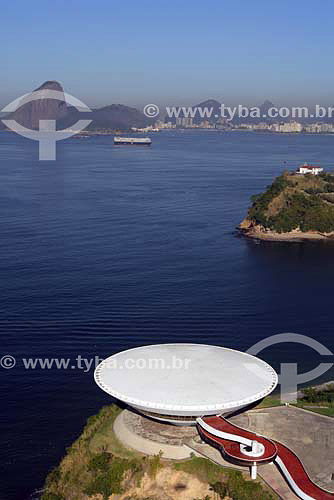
73, 476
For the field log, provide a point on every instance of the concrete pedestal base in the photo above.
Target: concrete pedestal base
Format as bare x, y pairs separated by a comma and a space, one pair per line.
150, 437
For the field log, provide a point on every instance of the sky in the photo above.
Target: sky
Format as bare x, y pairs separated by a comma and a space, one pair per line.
170, 52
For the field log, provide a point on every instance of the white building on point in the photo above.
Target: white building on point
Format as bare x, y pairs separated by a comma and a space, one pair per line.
211, 380
309, 169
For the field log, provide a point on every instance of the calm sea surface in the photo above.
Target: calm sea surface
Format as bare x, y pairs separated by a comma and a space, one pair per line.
110, 248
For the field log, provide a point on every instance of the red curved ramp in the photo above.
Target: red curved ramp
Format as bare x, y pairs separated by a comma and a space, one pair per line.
297, 477
220, 432
229, 437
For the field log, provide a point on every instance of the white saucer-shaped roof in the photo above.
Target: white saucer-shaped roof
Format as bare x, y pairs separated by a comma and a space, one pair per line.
185, 379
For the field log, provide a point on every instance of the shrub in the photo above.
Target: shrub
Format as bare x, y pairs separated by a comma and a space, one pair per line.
312, 395
241, 489
100, 462
101, 484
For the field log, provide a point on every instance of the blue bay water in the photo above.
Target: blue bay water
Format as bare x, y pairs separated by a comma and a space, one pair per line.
110, 248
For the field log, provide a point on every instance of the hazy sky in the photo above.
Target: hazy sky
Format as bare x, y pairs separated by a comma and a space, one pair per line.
137, 52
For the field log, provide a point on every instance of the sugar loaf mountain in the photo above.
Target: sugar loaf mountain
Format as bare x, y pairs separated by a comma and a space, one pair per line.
112, 117
295, 207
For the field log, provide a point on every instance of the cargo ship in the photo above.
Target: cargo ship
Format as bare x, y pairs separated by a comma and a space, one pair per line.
134, 141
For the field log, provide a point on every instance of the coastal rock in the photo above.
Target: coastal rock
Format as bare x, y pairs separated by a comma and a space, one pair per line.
245, 224
260, 233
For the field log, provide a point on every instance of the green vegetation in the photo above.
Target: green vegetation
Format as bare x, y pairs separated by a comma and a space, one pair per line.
108, 474
261, 202
314, 395
90, 469
203, 469
270, 402
238, 488
98, 464
296, 201
154, 465
322, 410
225, 482
104, 439
308, 212
321, 402
318, 400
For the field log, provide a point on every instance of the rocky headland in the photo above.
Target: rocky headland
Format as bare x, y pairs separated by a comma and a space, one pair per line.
294, 207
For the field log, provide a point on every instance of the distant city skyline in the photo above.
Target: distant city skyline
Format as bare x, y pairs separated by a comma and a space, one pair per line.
141, 52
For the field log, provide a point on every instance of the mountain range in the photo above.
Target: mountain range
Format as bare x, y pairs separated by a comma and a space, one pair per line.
116, 116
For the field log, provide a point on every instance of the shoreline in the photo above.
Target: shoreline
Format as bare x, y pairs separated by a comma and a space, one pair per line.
259, 233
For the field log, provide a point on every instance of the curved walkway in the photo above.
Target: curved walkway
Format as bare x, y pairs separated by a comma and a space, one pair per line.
135, 441
229, 437
294, 472
219, 432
